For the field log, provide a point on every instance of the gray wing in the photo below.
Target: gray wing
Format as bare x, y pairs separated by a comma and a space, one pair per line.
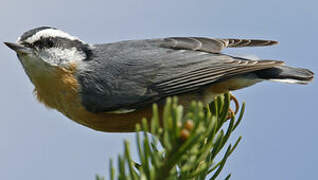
133, 74
212, 45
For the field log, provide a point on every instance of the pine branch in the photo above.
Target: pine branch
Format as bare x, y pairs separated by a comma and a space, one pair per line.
190, 142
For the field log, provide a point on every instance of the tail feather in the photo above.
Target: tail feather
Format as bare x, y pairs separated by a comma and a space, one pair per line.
286, 74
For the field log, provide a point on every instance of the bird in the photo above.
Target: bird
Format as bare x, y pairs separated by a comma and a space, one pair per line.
110, 87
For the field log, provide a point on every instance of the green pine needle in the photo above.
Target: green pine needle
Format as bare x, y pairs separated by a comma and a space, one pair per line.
190, 142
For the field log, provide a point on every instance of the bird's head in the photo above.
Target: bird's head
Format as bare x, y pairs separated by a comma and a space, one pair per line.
43, 48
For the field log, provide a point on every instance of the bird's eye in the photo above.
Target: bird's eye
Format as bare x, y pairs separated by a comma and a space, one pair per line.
44, 43
49, 43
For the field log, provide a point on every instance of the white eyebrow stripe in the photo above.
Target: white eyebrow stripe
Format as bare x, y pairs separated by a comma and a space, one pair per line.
49, 33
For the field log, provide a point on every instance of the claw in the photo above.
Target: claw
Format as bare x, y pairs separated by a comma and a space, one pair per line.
230, 114
237, 104
237, 107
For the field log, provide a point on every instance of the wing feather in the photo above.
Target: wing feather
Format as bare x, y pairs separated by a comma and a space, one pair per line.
133, 74
201, 77
212, 45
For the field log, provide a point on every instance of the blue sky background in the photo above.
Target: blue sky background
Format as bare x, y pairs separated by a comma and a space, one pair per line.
280, 125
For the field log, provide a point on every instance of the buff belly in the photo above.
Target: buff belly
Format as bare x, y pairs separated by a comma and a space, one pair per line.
60, 92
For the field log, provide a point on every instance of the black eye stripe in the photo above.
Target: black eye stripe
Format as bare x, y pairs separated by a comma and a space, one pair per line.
43, 43
60, 42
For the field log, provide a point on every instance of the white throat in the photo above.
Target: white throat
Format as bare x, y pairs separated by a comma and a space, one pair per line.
35, 67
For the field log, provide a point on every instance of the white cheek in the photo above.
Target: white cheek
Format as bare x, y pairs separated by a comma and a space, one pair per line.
57, 56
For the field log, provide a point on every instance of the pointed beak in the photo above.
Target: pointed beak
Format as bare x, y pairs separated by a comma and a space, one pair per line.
19, 48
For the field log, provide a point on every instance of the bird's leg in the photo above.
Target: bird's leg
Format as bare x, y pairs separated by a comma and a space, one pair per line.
237, 106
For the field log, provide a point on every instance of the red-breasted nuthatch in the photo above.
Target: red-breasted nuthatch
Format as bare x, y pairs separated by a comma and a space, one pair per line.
111, 87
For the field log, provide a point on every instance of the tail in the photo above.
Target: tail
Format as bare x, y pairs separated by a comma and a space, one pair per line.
286, 74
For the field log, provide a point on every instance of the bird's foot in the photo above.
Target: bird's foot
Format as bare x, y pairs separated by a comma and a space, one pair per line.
237, 107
